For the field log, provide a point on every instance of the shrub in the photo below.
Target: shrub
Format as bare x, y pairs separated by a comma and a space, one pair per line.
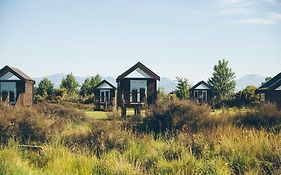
101, 138
266, 116
38, 123
23, 124
174, 116
58, 111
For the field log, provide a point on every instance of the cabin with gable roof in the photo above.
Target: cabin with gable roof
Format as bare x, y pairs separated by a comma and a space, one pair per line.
105, 94
202, 93
137, 86
16, 88
271, 90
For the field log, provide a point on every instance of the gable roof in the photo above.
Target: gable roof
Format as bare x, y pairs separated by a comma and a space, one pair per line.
21, 75
143, 68
202, 82
102, 82
271, 84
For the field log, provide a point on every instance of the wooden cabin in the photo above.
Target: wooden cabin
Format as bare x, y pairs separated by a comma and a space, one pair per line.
105, 96
137, 86
271, 90
202, 93
16, 87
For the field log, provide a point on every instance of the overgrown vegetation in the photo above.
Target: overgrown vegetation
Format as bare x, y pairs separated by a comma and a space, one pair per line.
175, 137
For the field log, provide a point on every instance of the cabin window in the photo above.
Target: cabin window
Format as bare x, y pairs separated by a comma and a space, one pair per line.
200, 95
142, 95
205, 96
8, 91
135, 96
12, 98
107, 96
104, 96
196, 94
4, 95
138, 91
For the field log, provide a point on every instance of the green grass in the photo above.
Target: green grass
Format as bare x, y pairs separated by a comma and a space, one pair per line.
100, 115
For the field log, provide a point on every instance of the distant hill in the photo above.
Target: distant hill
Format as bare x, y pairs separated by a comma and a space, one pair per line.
249, 79
56, 79
168, 84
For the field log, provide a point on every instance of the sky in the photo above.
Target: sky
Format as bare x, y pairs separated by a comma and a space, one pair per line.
174, 38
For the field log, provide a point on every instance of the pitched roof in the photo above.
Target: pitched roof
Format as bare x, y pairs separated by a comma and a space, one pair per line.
202, 82
21, 75
102, 82
271, 84
143, 68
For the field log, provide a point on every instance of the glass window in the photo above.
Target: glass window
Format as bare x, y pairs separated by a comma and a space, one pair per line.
12, 96
196, 94
107, 96
134, 96
142, 95
102, 96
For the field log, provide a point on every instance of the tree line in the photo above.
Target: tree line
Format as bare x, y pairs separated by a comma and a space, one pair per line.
69, 90
223, 83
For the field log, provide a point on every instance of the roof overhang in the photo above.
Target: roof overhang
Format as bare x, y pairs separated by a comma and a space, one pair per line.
142, 69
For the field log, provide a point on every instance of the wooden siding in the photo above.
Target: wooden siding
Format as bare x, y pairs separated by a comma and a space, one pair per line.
151, 91
123, 88
28, 94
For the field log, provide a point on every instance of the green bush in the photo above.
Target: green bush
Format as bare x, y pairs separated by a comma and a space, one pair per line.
23, 124
101, 138
58, 111
266, 116
174, 116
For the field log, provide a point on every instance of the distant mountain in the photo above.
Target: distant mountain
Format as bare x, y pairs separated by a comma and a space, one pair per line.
56, 79
167, 84
250, 79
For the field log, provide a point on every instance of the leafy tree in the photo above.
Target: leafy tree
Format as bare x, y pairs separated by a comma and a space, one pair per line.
266, 80
70, 84
182, 88
161, 95
45, 88
223, 80
247, 96
87, 87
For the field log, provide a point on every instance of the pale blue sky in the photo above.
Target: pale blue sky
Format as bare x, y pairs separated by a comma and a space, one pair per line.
172, 37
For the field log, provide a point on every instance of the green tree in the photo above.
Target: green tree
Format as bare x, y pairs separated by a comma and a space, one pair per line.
70, 84
87, 87
182, 88
247, 96
266, 80
223, 80
161, 95
45, 87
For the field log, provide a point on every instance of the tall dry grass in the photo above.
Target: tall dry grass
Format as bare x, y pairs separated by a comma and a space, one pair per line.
197, 141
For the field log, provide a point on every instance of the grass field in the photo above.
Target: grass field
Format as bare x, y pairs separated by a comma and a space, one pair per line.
102, 115
97, 114
190, 140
